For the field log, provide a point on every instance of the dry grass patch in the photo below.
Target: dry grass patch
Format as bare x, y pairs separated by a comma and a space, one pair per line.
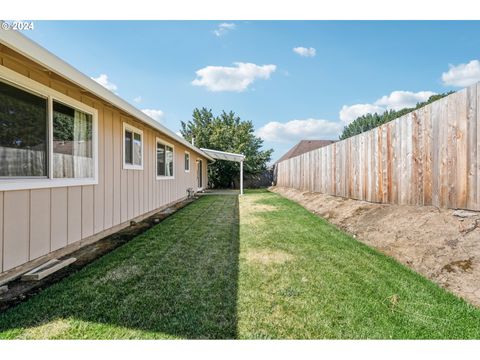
253, 211
268, 256
49, 330
253, 206
121, 274
262, 208
254, 220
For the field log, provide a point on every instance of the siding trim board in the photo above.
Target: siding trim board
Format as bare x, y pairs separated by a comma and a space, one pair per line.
43, 221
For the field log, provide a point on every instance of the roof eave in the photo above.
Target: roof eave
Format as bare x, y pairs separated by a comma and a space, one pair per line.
45, 58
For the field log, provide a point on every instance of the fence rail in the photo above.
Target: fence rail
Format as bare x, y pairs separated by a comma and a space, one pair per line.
427, 157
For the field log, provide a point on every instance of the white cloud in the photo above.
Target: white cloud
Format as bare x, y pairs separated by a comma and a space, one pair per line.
462, 75
401, 99
396, 100
223, 29
103, 80
232, 78
296, 130
138, 99
154, 114
306, 52
350, 113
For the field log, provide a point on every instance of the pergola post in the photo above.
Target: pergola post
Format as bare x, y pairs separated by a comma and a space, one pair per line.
222, 155
241, 177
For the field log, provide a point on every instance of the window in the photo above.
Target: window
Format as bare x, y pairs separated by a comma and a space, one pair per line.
72, 142
187, 161
165, 160
132, 147
199, 174
47, 139
23, 133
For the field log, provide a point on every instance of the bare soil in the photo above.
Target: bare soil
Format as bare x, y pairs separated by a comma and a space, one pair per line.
434, 242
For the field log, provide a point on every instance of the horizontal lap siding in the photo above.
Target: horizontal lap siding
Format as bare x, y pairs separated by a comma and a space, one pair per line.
36, 222
426, 157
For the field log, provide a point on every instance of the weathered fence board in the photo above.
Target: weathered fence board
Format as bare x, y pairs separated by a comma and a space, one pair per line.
427, 157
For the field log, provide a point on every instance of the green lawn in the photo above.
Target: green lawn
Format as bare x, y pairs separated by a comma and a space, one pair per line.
262, 267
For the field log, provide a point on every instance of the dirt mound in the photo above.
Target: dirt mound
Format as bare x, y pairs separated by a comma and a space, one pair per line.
441, 244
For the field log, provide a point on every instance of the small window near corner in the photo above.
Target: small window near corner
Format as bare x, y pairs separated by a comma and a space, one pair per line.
132, 147
187, 162
165, 160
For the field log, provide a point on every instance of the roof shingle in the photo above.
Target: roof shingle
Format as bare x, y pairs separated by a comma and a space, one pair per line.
304, 146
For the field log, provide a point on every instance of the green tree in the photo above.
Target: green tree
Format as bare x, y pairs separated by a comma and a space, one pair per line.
226, 132
369, 121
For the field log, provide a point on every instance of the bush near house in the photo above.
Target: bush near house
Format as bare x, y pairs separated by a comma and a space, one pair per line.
369, 121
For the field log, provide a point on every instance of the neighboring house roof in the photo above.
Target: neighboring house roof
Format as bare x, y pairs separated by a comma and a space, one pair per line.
33, 51
304, 146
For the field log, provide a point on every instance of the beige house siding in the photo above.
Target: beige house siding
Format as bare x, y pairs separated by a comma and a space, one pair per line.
35, 222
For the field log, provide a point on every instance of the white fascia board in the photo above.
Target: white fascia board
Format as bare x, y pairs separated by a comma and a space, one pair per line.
223, 155
31, 50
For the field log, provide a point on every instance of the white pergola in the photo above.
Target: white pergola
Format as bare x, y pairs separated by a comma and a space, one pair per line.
222, 155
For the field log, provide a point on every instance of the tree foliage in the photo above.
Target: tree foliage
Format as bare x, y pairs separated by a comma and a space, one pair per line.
369, 121
226, 132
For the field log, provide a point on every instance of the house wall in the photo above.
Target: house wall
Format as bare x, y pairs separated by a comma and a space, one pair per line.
36, 222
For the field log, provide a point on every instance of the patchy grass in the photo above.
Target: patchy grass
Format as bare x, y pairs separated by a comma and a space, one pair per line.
264, 268
332, 286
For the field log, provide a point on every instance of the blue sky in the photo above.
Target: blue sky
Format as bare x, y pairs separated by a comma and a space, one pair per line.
293, 79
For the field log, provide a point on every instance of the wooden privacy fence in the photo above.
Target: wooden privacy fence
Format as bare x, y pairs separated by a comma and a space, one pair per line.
427, 157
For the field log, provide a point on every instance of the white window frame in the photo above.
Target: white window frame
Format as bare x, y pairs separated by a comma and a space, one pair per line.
196, 174
166, 143
189, 161
133, 129
26, 84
